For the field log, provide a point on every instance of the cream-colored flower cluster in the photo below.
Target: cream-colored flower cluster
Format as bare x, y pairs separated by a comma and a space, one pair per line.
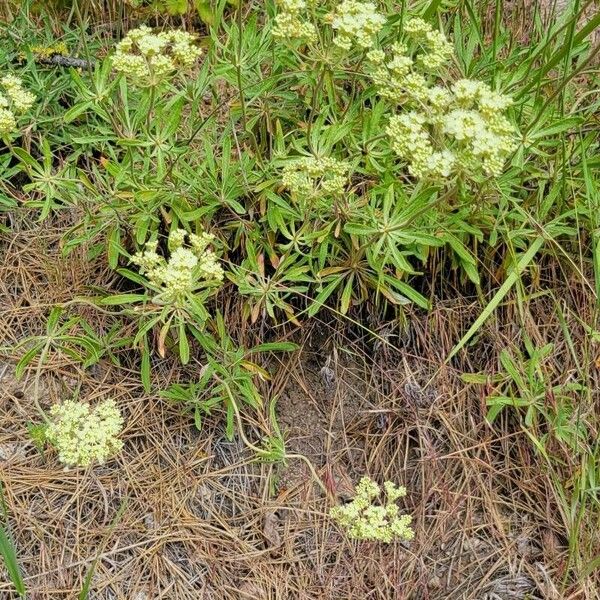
471, 132
401, 78
355, 23
411, 140
365, 520
441, 131
82, 435
186, 268
14, 101
149, 58
484, 136
435, 48
291, 24
313, 177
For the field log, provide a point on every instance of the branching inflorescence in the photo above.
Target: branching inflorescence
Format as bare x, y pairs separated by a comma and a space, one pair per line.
440, 129
187, 268
314, 177
440, 132
14, 101
148, 59
355, 23
364, 520
291, 23
82, 435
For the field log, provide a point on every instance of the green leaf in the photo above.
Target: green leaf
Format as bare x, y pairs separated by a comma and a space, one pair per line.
114, 247
7, 550
184, 345
76, 111
26, 158
25, 360
37, 433
359, 229
198, 418
323, 295
409, 292
176, 7
145, 368
275, 347
205, 11
123, 299
347, 295
493, 412
11, 564
230, 422
431, 10
477, 378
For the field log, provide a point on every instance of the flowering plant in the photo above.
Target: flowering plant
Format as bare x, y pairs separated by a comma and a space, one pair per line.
15, 100
148, 59
187, 269
365, 520
180, 284
440, 132
83, 435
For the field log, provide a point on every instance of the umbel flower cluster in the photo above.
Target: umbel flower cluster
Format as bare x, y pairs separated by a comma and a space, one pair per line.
441, 131
364, 520
83, 435
355, 23
314, 177
14, 101
291, 24
186, 270
148, 59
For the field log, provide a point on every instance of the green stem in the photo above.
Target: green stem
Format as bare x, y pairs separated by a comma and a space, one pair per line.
260, 451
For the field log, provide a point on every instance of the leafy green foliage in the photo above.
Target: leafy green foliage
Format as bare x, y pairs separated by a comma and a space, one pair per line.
545, 406
227, 378
71, 337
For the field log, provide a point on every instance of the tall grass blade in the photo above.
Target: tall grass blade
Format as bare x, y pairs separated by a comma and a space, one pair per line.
85, 590
499, 296
7, 550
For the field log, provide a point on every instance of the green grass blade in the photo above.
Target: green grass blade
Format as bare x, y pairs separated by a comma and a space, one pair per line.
499, 296
85, 590
7, 550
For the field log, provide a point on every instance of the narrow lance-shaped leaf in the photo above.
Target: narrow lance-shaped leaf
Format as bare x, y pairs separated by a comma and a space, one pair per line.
499, 296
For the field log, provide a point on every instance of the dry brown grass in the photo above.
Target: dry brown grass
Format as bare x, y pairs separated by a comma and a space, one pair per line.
198, 519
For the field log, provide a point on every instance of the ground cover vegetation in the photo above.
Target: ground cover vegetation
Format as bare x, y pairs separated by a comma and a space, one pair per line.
231, 227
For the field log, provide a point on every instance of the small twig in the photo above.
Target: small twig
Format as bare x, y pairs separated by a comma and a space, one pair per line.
65, 61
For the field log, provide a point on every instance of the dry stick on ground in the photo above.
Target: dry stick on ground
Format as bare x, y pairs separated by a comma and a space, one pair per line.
65, 61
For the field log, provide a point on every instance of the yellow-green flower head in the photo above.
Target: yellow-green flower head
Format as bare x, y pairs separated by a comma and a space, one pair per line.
148, 58
417, 28
8, 123
291, 24
439, 98
14, 101
436, 49
187, 268
401, 77
315, 177
20, 100
364, 520
485, 136
439, 132
83, 435
356, 23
